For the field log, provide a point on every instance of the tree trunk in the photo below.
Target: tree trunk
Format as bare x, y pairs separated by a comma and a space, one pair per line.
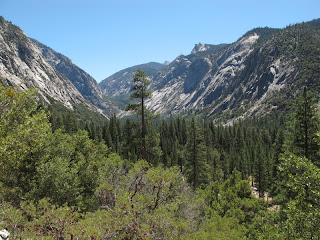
143, 129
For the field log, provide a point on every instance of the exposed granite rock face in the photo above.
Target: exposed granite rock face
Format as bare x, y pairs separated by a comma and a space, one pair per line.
251, 76
23, 65
84, 83
196, 80
259, 72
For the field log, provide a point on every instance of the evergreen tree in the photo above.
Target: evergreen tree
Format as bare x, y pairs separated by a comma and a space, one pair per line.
260, 168
70, 123
224, 164
56, 121
130, 141
278, 150
196, 168
106, 135
239, 153
114, 129
306, 126
153, 150
303, 207
140, 92
169, 143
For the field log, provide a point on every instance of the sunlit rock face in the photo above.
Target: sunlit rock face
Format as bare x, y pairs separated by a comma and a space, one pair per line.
23, 65
83, 82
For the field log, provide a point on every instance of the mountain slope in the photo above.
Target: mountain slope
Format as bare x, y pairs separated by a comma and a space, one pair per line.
196, 80
261, 71
22, 65
275, 71
84, 83
120, 83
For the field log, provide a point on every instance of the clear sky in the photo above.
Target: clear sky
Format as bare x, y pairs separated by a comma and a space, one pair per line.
105, 36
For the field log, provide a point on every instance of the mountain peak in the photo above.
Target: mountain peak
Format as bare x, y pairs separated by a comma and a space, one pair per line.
200, 47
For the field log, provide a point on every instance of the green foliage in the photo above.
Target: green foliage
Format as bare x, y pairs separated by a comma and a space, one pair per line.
234, 213
306, 126
130, 146
303, 209
233, 198
140, 92
23, 136
151, 199
67, 184
195, 166
266, 225
71, 170
42, 220
36, 163
146, 203
73, 120
218, 228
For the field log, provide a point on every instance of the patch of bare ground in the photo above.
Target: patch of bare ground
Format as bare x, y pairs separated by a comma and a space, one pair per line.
265, 196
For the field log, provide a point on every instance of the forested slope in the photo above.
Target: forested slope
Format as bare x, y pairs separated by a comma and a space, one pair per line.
194, 183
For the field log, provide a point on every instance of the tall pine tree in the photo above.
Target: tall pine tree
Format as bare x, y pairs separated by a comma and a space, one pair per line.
306, 126
196, 168
141, 93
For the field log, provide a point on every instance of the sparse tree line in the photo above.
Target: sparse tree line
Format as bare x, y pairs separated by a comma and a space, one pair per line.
176, 178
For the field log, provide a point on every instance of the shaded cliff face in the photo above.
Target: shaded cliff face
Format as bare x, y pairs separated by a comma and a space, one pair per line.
84, 83
23, 65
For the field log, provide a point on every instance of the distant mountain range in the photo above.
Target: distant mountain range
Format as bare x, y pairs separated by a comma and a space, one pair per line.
262, 71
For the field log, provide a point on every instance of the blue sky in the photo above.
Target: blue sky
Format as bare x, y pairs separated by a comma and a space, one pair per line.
105, 36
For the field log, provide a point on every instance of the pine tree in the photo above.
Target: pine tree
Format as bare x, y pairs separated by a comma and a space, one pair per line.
196, 166
106, 135
70, 123
278, 150
153, 150
306, 126
140, 92
240, 152
114, 129
260, 168
130, 140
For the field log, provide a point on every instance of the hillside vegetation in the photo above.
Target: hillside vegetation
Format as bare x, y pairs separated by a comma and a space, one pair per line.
64, 182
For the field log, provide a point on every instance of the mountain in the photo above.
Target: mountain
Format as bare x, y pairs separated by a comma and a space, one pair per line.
26, 63
120, 83
260, 72
201, 48
23, 65
84, 83
201, 79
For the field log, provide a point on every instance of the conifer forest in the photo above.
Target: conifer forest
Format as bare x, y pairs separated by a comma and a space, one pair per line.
149, 177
